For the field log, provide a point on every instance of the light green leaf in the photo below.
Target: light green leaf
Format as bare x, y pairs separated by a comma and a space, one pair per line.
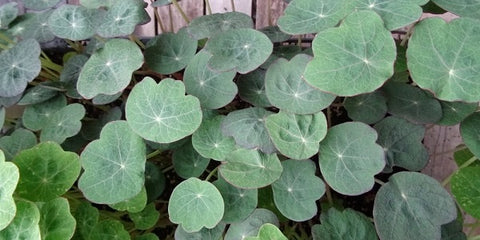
242, 50
297, 136
63, 123
251, 225
132, 205
146, 218
161, 112
368, 108
209, 141
8, 13
455, 112
312, 16
465, 187
37, 116
349, 158
37, 94
209, 25
33, 25
114, 165
464, 8
286, 89
195, 204
154, 181
444, 58
109, 70
471, 133
421, 205
56, 221
204, 234
247, 127
109, 229
40, 5
213, 89
25, 223
86, 217
251, 168
19, 65
96, 3
73, 22
462, 154
102, 99
122, 17
360, 54
187, 162
47, 171
296, 192
402, 143
268, 231
19, 140
9, 176
275, 34
239, 203
346, 225
251, 88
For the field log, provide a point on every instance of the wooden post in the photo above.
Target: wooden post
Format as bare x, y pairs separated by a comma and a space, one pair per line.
221, 6
265, 7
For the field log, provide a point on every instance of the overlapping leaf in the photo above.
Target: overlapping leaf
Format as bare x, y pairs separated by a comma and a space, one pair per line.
56, 221
455, 112
33, 25
73, 22
204, 234
37, 116
63, 123
70, 73
346, 225
19, 140
133, 205
109, 229
25, 223
368, 108
268, 231
209, 25
209, 141
8, 13
9, 176
251, 88
465, 187
154, 181
122, 17
464, 8
471, 133
145, 219
37, 94
239, 203
187, 162
86, 217
251, 225
40, 5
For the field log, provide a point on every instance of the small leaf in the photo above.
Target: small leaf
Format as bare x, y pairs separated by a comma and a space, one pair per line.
37, 116
368, 108
63, 123
9, 176
209, 25
133, 205
239, 203
204, 234
209, 141
268, 231
161, 112
37, 94
154, 181
250, 168
251, 88
415, 199
275, 34
8, 13
145, 219
56, 221
464, 8
109, 229
47, 171
114, 165
19, 140
71, 71
455, 112
195, 204
122, 17
73, 22
471, 133
40, 5
187, 162
86, 217
465, 186
25, 223
251, 225
349, 158
346, 225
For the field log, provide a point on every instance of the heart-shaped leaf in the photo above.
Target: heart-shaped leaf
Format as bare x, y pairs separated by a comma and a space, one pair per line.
187, 162
349, 158
204, 234
37, 116
209, 25
114, 165
444, 58
195, 204
465, 186
109, 70
209, 141
56, 221
368, 108
40, 5
25, 223
109, 229
471, 133
358, 54
19, 140
63, 123
268, 231
297, 190
9, 176
251, 225
73, 22
8, 13
464, 8
161, 112
251, 88
415, 199
122, 17
346, 225
145, 219
47, 171
455, 112
239, 203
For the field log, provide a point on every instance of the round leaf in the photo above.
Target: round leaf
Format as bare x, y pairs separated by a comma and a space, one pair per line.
63, 123
122, 17
195, 204
251, 225
349, 158
368, 108
464, 8
359, 54
210, 25
73, 22
161, 112
109, 229
251, 88
9, 176
109, 70
239, 203
471, 133
268, 231
187, 162
40, 5
204, 234
466, 189
455, 112
56, 221
19, 140
346, 225
145, 219
114, 165
209, 141
33, 25
25, 223
37, 116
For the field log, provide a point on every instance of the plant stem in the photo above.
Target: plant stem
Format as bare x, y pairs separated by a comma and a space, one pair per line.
329, 117
137, 41
299, 41
407, 36
379, 181
473, 228
232, 2
180, 10
154, 153
474, 238
170, 15
329, 194
159, 19
211, 174
49, 64
209, 8
6, 39
464, 165
73, 45
167, 169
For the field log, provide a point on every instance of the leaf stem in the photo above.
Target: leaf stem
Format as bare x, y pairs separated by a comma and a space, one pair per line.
73, 45
137, 41
167, 169
473, 227
180, 10
50, 64
269, 13
379, 181
464, 165
209, 8
299, 41
232, 2
159, 19
170, 16
329, 194
154, 153
407, 36
211, 174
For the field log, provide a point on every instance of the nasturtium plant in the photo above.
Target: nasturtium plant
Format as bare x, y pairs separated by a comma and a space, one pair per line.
122, 17
210, 25
73, 22
9, 177
345, 224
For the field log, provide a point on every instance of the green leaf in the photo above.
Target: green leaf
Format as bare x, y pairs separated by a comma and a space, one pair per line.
296, 136
19, 65
161, 112
109, 229
402, 143
412, 103
359, 54
96, 3
25, 223
47, 171
170, 52
109, 70
368, 108
33, 25
8, 13
275, 34
86, 217
160, 3
91, 129
268, 231
247, 127
133, 205
210, 25
102, 99
40, 5
63, 123
9, 176
145, 219
465, 187
420, 204
213, 89
37, 116
2, 116
453, 231
10, 101
147, 236
73, 22
19, 140
251, 168
187, 162
114, 165
239, 203
464, 8
346, 225
209, 141
242, 50
444, 58
37, 94
204, 234
195, 204
349, 158
312, 16
297, 190
462, 154
154, 181
455, 112
471, 133
71, 71
395, 14
251, 225
286, 89
122, 17
56, 221
251, 88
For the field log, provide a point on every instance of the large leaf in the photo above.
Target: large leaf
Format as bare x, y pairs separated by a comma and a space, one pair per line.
268, 231
466, 189
204, 234
56, 221
445, 59
161, 112
471, 133
251, 225
368, 108
242, 50
210, 25
8, 13
464, 8
37, 116
239, 203
122, 17
63, 123
209, 141
19, 140
286, 89
25, 223
187, 162
420, 206
47, 172
346, 225
109, 70
297, 190
358, 54
251, 168
349, 158
9, 176
195, 204
19, 65
312, 16
114, 165
73, 22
